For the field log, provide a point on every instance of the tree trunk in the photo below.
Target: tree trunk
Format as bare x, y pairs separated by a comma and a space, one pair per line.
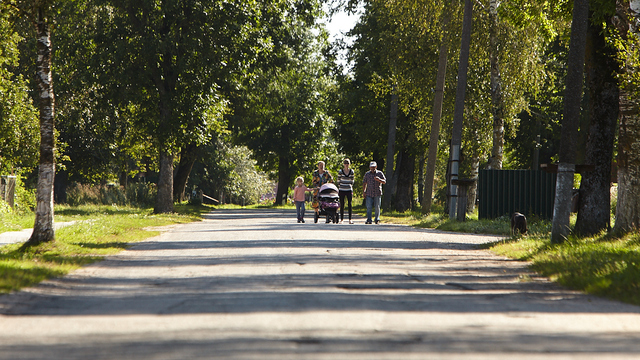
438, 100
164, 200
188, 156
472, 192
421, 167
458, 114
43, 227
124, 178
628, 207
571, 117
284, 179
390, 189
497, 108
406, 168
594, 208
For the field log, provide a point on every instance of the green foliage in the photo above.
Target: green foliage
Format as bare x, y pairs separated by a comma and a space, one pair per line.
25, 200
362, 101
231, 170
543, 115
281, 113
18, 118
136, 194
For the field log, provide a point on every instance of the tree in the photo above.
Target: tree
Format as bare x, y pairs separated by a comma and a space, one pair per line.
391, 150
572, 98
96, 110
231, 171
281, 114
362, 110
495, 161
456, 136
537, 137
438, 101
173, 57
602, 68
41, 14
395, 42
628, 207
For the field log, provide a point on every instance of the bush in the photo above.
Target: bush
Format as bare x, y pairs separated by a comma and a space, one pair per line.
138, 194
141, 194
4, 207
25, 199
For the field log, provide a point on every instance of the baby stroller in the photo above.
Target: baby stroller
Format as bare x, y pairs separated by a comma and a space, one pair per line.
328, 203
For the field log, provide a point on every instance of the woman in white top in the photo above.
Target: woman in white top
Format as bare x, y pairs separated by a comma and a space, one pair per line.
346, 177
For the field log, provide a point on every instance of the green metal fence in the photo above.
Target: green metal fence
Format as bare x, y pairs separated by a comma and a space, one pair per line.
503, 192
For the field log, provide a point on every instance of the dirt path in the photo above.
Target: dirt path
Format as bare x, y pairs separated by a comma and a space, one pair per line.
253, 284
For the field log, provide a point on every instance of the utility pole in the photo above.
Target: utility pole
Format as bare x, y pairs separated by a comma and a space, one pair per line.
458, 114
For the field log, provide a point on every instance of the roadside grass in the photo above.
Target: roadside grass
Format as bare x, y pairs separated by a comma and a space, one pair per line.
603, 265
100, 231
13, 221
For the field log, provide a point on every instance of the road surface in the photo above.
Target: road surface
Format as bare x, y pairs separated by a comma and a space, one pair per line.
254, 284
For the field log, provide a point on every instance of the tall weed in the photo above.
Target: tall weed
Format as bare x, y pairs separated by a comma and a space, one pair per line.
137, 194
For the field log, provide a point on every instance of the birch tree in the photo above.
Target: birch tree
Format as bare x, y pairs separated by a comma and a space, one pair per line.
41, 16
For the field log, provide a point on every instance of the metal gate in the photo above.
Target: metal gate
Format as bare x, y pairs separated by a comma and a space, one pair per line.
503, 192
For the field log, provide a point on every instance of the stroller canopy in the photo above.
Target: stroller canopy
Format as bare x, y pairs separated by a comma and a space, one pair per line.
328, 190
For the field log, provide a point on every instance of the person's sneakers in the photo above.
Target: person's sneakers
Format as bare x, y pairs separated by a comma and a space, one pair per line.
377, 221
298, 221
350, 222
301, 220
368, 222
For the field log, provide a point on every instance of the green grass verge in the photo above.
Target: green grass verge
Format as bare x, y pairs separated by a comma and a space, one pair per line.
13, 221
602, 265
100, 231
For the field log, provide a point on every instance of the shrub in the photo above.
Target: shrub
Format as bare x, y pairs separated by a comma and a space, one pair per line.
141, 194
137, 194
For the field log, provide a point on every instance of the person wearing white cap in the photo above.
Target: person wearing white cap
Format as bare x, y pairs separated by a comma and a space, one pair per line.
372, 185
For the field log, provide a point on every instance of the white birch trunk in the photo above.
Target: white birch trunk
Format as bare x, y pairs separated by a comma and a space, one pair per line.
43, 227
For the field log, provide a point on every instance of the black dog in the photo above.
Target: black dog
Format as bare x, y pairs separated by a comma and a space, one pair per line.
519, 223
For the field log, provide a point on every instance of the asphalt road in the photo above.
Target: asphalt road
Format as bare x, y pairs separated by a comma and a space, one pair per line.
254, 284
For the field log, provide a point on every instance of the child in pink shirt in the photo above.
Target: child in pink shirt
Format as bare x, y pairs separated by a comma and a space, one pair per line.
299, 197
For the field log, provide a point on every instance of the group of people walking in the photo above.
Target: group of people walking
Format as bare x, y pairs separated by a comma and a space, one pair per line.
372, 190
